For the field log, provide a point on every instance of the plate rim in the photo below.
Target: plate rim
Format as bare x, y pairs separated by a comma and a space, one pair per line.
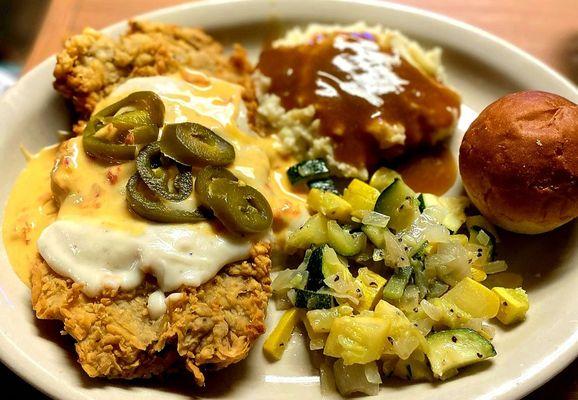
12, 356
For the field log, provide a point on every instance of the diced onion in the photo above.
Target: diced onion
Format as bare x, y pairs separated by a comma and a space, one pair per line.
373, 218
353, 379
326, 377
372, 373
495, 266
377, 255
483, 238
431, 311
488, 330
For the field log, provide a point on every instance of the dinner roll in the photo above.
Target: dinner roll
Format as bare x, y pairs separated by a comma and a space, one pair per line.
519, 162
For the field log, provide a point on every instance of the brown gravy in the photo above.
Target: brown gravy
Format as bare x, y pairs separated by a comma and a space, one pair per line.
434, 171
356, 88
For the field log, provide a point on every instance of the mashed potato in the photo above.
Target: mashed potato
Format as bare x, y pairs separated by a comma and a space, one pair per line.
297, 130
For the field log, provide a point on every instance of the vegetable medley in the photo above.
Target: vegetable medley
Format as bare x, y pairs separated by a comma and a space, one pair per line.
392, 282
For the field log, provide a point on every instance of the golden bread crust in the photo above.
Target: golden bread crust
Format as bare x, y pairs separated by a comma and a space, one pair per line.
519, 161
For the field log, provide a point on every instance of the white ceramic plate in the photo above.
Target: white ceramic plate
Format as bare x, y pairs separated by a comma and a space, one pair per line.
479, 65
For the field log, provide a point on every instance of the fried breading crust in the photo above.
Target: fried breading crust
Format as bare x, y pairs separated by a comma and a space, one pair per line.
92, 64
209, 327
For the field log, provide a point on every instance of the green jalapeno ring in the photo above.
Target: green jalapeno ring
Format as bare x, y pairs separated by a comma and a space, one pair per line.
155, 175
193, 144
205, 176
241, 208
138, 125
147, 204
145, 100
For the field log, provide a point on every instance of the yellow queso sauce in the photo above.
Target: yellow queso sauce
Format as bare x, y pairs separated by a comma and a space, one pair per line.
29, 210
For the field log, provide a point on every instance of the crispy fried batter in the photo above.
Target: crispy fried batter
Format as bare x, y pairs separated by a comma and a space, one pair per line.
92, 64
211, 326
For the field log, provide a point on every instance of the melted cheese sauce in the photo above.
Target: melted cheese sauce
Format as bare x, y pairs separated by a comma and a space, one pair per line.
96, 240
28, 213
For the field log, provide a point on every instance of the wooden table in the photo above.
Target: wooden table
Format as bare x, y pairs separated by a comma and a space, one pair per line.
547, 29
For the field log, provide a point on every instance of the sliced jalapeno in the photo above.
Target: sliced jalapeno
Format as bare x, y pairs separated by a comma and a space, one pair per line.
206, 176
194, 144
164, 177
114, 133
241, 208
149, 205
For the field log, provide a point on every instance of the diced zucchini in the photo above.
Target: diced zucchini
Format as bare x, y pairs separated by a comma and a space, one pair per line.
382, 178
326, 185
375, 235
311, 300
316, 339
329, 204
357, 340
453, 206
513, 304
361, 196
372, 285
308, 170
420, 202
415, 368
321, 320
504, 279
278, 339
481, 222
474, 298
314, 231
315, 269
332, 264
398, 202
345, 243
437, 289
396, 285
419, 251
456, 348
430, 200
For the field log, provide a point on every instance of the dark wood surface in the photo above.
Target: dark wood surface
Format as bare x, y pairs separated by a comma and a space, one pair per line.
546, 29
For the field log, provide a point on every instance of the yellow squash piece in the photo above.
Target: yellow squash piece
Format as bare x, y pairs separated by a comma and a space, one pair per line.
361, 196
371, 285
474, 298
382, 178
329, 204
277, 341
321, 320
316, 339
513, 304
357, 340
403, 337
478, 275
460, 238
